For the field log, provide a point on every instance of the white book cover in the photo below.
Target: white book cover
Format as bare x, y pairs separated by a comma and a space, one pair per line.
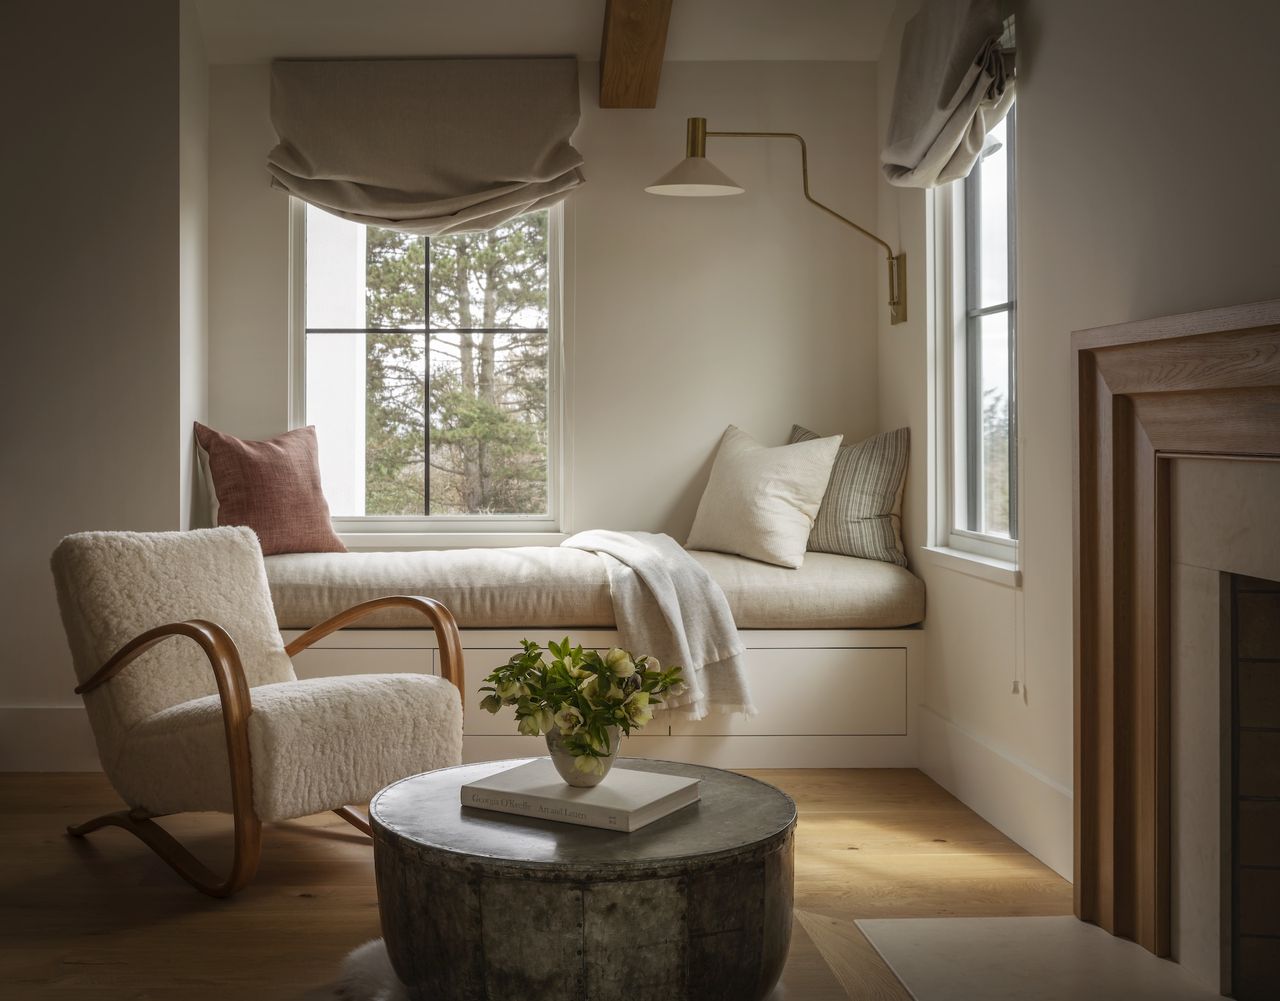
626, 800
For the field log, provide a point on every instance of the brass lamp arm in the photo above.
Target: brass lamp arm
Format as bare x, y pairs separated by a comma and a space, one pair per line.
804, 174
696, 147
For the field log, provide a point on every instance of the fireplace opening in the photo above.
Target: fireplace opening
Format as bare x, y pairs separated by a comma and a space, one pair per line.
1252, 925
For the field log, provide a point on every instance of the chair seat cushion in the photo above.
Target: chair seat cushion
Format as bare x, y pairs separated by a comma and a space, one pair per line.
315, 745
550, 587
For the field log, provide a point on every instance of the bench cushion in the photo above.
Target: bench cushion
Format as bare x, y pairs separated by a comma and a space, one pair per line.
544, 586
827, 592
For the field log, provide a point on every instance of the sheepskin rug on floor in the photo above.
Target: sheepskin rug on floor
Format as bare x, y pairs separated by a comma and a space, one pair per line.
367, 975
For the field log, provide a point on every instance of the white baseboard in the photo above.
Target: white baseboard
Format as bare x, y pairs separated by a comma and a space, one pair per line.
1024, 803
58, 739
46, 739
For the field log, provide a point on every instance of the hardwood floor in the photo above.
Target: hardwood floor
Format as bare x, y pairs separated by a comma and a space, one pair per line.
104, 919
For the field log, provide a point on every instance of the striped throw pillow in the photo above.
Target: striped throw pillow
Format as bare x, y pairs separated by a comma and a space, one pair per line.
861, 512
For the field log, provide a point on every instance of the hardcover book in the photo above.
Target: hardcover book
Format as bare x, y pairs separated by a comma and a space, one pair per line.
625, 801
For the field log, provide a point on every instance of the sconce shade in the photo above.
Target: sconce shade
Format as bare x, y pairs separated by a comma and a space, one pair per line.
695, 176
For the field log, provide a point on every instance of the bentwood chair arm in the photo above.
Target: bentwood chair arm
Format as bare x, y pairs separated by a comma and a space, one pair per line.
233, 691
441, 619
216, 642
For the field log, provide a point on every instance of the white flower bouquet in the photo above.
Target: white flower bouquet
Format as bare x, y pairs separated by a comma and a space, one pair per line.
580, 698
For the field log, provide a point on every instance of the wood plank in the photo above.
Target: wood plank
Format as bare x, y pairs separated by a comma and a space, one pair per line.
1248, 316
852, 958
1084, 530
103, 918
1230, 360
631, 52
1220, 422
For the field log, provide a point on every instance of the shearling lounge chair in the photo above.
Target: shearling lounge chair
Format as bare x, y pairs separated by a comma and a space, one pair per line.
194, 703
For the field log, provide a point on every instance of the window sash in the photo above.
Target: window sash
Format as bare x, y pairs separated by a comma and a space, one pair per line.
957, 377
973, 420
974, 312
551, 520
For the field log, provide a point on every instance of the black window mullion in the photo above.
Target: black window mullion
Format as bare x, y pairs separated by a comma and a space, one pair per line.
999, 307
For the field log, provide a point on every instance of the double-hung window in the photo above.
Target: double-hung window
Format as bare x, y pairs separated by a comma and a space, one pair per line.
977, 501
429, 367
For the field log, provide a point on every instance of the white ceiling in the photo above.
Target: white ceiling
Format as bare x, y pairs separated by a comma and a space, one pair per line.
243, 31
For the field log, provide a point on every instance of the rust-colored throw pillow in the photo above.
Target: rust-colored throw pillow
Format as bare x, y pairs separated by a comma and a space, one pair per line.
272, 486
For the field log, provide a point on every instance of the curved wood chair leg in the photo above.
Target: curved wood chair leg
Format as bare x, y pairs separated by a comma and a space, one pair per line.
233, 693
248, 849
356, 819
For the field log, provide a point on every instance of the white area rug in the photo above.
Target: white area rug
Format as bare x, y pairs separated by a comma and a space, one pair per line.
367, 975
1024, 959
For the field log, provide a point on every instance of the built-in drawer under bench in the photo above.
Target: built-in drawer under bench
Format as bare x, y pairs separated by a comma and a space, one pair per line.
827, 698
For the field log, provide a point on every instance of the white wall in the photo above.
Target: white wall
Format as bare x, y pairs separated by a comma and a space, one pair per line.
684, 315
91, 265
248, 260
193, 244
1146, 187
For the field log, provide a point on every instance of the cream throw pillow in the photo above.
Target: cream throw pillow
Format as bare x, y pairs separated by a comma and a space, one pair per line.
761, 501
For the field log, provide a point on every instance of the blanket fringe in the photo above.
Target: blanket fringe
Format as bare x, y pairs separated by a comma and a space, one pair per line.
695, 711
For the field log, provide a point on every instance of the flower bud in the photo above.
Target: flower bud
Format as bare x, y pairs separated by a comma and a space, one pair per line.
620, 663
529, 726
510, 691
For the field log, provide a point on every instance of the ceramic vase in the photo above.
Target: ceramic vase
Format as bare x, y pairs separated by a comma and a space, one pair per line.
565, 762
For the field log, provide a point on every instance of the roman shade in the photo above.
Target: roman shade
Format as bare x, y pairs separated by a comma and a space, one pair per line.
953, 87
426, 146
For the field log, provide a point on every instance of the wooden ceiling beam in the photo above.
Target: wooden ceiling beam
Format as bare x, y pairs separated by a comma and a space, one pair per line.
631, 51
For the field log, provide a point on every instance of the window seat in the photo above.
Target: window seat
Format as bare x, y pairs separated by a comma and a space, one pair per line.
829, 647
540, 586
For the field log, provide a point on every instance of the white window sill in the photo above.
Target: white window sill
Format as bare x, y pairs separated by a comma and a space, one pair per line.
987, 568
369, 541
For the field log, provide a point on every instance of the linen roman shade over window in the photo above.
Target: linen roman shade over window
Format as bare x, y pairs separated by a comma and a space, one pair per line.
426, 146
953, 88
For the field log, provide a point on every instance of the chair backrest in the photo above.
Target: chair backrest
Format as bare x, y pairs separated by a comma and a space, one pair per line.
114, 585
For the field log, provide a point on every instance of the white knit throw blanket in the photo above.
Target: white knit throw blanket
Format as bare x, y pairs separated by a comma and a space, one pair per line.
667, 606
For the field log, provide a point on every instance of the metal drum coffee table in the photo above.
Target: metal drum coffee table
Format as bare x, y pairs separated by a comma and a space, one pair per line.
480, 906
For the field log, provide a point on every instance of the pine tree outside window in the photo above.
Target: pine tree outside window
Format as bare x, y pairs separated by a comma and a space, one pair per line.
429, 367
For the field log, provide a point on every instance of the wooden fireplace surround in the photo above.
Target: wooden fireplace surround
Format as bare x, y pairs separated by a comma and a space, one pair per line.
1204, 383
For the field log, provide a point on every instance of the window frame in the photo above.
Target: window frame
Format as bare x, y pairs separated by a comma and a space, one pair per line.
421, 531
955, 415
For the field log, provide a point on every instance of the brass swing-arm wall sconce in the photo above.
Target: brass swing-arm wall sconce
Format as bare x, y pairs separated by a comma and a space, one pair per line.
697, 176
